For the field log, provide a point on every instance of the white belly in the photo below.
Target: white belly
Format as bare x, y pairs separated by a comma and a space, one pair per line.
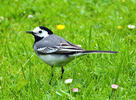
55, 59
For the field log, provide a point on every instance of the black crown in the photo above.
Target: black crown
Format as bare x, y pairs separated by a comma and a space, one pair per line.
46, 29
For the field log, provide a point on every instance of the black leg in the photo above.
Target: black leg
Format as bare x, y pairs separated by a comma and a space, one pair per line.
62, 70
51, 75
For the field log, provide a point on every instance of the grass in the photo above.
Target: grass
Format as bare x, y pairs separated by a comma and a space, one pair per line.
90, 23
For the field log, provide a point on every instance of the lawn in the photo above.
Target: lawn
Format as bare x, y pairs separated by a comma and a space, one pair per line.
94, 24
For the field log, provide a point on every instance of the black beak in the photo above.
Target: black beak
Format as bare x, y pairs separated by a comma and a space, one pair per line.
30, 32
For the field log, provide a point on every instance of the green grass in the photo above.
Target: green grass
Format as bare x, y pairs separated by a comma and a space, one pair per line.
90, 23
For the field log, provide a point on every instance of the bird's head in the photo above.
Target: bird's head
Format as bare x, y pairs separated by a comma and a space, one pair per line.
41, 32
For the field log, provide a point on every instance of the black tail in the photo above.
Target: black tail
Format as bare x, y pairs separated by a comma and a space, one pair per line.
94, 51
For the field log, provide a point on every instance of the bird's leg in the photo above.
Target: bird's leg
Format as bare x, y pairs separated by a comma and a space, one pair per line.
62, 70
51, 75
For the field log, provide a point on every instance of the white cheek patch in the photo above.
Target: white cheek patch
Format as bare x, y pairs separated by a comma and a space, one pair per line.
43, 34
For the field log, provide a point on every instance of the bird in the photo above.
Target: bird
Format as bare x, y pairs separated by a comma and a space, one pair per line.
55, 50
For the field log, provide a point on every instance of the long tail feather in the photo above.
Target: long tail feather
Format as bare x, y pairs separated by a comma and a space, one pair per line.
94, 51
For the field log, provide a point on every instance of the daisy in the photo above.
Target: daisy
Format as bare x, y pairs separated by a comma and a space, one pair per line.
114, 86
131, 26
30, 16
68, 81
75, 89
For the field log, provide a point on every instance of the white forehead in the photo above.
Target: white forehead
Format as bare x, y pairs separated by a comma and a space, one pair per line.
37, 29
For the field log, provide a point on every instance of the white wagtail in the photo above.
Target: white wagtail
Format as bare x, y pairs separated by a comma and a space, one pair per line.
55, 50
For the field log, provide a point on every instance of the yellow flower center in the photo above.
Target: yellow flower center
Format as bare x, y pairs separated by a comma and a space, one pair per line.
119, 27
60, 27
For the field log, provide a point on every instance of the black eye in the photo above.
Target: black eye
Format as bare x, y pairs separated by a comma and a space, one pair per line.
40, 31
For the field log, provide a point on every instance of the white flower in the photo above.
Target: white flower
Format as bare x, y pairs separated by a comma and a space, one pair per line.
131, 26
68, 81
114, 86
30, 16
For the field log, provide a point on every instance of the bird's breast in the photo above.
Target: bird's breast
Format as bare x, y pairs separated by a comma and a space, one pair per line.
55, 59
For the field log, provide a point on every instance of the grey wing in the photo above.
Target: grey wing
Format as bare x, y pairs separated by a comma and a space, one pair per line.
57, 45
63, 48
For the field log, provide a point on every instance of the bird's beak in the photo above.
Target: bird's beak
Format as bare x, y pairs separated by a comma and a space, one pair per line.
30, 32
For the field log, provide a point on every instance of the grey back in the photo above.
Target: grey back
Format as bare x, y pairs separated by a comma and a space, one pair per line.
50, 41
